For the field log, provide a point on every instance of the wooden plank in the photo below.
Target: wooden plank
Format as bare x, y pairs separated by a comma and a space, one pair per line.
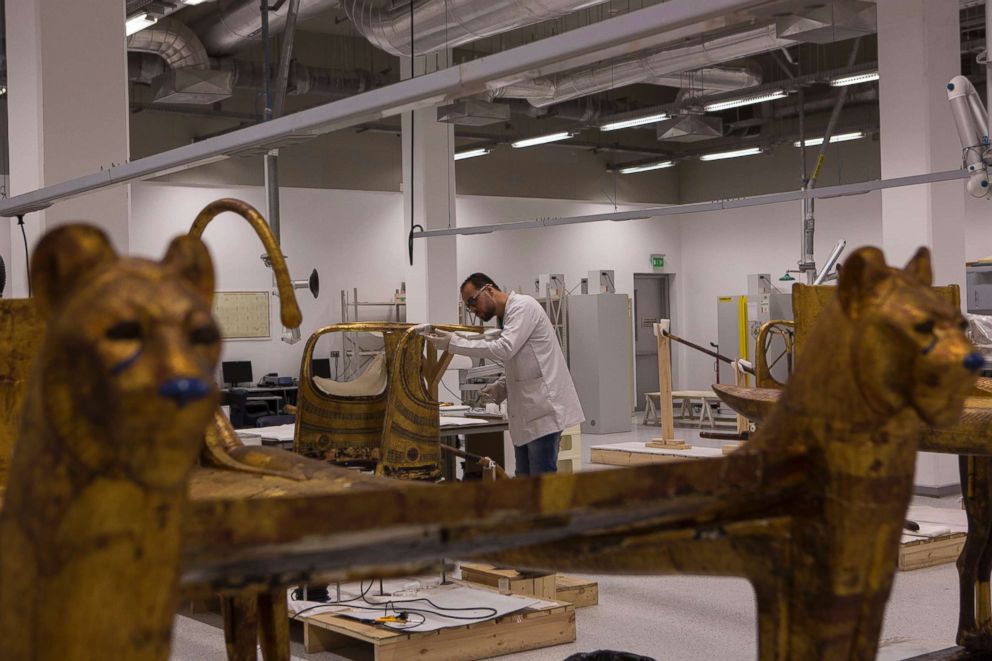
580, 592
517, 632
930, 552
625, 458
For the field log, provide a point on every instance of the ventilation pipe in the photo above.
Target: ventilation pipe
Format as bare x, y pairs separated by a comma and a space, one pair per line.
437, 24
239, 23
173, 42
664, 67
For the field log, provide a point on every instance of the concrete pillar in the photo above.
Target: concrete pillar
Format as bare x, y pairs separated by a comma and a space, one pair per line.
67, 113
918, 52
429, 200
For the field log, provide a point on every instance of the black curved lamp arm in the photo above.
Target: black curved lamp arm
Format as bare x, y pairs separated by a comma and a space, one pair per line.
409, 243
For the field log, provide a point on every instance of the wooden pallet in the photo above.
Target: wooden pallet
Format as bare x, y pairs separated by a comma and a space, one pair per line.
930, 552
580, 592
524, 630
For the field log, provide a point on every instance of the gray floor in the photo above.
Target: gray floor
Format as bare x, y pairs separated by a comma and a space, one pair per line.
677, 617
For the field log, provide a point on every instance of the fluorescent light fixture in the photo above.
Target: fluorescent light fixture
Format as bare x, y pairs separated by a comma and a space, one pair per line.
840, 137
637, 121
644, 168
855, 79
752, 151
746, 100
471, 153
541, 139
138, 23
193, 3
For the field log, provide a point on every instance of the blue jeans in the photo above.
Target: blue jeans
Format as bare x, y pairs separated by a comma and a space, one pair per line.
538, 456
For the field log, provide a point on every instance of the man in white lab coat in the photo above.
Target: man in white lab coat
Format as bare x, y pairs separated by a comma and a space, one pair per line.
541, 399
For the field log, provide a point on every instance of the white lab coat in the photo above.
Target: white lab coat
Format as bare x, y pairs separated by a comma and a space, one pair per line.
541, 398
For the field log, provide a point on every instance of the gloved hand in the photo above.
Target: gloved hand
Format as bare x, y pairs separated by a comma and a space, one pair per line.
423, 329
439, 338
493, 393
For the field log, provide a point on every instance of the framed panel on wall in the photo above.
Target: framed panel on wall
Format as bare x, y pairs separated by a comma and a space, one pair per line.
242, 315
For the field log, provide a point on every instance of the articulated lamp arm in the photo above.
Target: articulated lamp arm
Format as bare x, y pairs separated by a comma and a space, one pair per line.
289, 309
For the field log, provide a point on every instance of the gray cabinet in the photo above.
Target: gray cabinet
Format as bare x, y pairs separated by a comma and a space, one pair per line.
600, 350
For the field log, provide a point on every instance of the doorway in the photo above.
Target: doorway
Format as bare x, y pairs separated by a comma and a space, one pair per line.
651, 303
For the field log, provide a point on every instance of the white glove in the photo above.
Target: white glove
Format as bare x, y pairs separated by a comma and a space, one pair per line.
423, 329
440, 339
494, 393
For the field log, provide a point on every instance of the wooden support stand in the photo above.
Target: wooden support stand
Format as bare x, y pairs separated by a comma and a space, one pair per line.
529, 629
667, 440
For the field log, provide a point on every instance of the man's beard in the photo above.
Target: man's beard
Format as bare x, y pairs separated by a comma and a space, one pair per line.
485, 316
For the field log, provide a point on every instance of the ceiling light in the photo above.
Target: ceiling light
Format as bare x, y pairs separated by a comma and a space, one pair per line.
644, 168
193, 3
138, 23
840, 137
637, 121
854, 80
746, 100
471, 153
752, 151
541, 139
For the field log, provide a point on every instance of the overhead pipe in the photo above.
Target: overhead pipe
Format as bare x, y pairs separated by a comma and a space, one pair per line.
238, 24
424, 26
172, 41
667, 65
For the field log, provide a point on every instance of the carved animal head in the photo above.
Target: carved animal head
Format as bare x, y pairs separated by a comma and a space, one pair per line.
909, 346
125, 372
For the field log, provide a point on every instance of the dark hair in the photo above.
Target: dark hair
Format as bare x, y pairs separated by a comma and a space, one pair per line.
479, 280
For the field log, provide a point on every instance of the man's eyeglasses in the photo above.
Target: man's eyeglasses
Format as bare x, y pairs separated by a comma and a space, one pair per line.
471, 301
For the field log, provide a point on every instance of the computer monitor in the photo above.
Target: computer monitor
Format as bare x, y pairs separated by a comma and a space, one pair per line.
236, 372
321, 367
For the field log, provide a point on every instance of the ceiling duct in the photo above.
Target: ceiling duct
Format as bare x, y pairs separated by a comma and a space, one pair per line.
173, 42
436, 24
193, 86
664, 67
238, 23
473, 112
690, 128
827, 23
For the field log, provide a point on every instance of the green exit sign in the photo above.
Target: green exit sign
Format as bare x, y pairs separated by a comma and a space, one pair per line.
657, 261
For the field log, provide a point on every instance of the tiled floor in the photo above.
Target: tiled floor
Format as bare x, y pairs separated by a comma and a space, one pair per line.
680, 617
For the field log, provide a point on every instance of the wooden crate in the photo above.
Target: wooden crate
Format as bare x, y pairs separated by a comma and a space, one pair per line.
524, 630
579, 592
930, 552
511, 581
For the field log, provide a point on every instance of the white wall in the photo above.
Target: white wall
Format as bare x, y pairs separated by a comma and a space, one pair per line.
357, 239
720, 249
353, 238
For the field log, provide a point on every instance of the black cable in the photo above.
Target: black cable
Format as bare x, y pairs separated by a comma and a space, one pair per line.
27, 255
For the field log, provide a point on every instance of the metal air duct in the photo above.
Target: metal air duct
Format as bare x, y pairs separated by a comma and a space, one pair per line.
437, 24
235, 24
664, 67
173, 42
